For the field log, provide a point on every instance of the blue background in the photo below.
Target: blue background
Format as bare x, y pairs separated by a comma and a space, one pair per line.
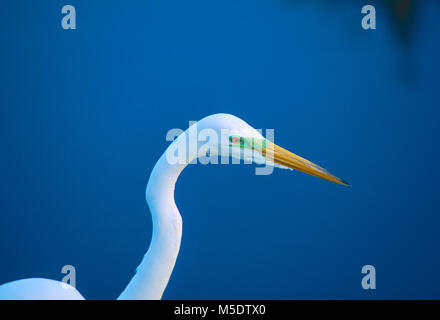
84, 115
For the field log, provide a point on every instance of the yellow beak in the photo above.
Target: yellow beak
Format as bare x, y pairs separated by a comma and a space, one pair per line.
288, 159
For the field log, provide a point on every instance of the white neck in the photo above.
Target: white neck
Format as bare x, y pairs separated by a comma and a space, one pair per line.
153, 273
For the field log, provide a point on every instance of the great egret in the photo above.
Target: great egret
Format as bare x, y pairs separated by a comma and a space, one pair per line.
152, 275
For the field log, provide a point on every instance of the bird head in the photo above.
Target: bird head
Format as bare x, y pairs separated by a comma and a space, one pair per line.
227, 136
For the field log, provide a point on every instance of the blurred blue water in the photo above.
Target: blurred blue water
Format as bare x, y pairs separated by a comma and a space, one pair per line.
84, 115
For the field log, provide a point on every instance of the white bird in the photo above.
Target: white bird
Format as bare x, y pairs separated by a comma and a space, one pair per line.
152, 275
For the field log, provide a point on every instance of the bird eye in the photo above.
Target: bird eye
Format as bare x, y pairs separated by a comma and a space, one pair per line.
235, 139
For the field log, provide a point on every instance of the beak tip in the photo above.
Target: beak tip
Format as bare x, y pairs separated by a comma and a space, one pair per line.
345, 183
